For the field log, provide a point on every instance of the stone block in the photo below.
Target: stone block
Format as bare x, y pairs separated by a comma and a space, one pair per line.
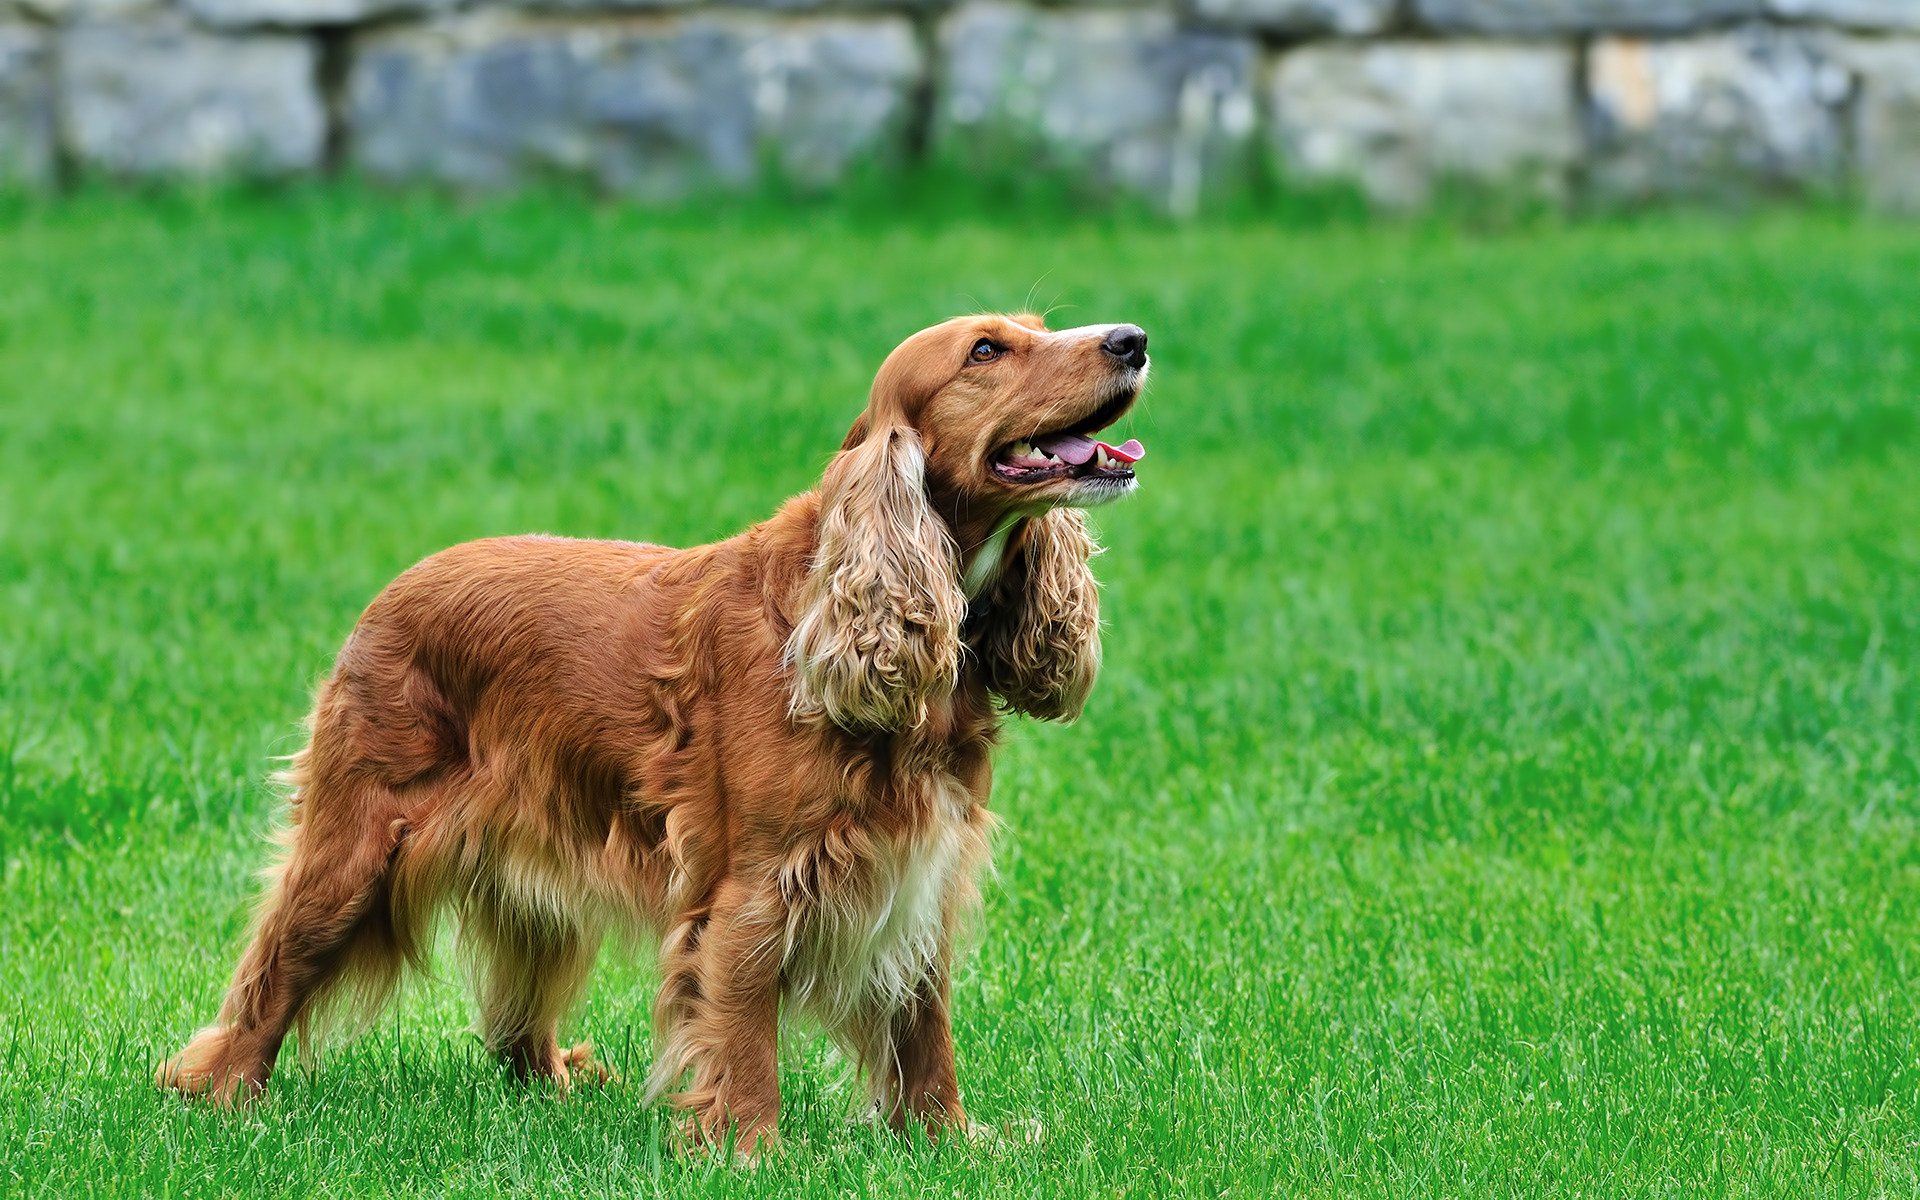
248, 14
1854, 14
70, 12
1401, 117
161, 97
795, 6
1128, 95
1757, 109
26, 106
654, 107
580, 7
1299, 17
1531, 17
1886, 117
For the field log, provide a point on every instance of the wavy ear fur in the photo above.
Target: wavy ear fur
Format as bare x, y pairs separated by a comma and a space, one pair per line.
1041, 648
880, 611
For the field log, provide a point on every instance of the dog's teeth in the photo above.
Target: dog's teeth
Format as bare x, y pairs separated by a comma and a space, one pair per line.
1020, 450
1101, 460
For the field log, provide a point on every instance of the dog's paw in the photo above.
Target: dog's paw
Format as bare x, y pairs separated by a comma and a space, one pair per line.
537, 1063
711, 1132
578, 1065
206, 1069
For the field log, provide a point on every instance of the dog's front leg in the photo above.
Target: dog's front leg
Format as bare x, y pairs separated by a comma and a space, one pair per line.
727, 1029
920, 1082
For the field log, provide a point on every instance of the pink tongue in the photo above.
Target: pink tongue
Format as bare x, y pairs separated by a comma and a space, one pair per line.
1068, 447
1071, 447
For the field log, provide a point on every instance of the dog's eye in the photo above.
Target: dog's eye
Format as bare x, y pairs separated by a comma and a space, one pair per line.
985, 350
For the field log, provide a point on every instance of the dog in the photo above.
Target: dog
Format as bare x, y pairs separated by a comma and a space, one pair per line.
771, 754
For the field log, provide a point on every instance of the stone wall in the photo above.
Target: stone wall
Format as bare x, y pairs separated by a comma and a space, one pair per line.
1560, 98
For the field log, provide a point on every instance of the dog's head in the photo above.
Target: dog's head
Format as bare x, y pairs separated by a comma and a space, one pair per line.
1005, 412
979, 438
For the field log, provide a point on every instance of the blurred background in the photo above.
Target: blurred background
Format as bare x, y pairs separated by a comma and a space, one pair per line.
1561, 100
1504, 777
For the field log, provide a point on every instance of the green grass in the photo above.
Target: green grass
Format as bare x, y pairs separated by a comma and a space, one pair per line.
1504, 778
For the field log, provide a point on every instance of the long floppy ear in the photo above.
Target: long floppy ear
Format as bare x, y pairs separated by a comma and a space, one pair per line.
1041, 649
880, 611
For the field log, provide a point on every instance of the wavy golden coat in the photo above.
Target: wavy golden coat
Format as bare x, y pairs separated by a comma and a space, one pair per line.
769, 754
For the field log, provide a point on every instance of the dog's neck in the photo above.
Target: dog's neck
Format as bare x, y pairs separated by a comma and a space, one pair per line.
981, 566
981, 535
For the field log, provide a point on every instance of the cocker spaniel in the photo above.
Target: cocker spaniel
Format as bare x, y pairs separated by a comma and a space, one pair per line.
771, 754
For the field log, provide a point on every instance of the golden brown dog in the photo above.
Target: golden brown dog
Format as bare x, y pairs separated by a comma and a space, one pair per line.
770, 753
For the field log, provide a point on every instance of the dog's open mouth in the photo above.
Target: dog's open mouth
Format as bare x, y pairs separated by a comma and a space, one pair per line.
1068, 455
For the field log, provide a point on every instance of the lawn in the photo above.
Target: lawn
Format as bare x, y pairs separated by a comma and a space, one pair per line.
1504, 780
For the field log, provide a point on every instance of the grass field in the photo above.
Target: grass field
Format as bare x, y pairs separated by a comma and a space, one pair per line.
1504, 780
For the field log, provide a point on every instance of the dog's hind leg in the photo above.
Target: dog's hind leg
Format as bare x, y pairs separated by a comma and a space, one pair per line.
326, 922
528, 970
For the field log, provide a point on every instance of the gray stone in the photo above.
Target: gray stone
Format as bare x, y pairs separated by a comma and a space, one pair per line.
1300, 16
1126, 94
1886, 117
1579, 16
581, 6
69, 12
160, 97
829, 92
26, 106
1757, 109
1400, 117
762, 5
652, 108
1857, 14
240, 14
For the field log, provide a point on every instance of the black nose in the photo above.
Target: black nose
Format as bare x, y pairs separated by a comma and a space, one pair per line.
1128, 343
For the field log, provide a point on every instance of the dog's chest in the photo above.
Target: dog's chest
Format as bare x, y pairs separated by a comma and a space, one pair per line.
868, 943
